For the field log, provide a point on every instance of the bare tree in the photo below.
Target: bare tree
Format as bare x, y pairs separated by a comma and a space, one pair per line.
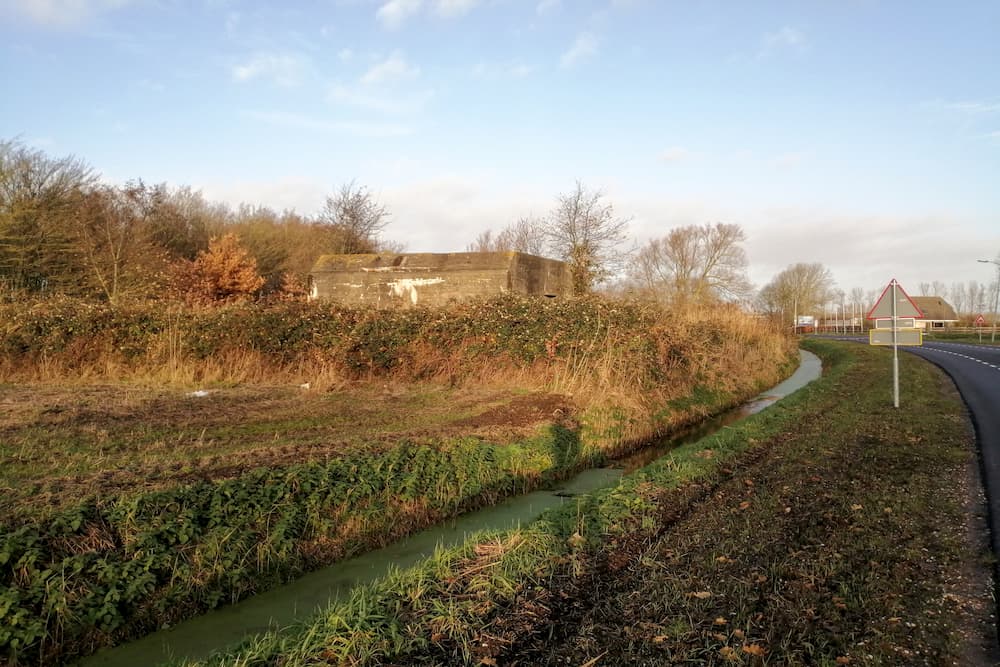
485, 242
584, 231
527, 235
802, 288
978, 297
695, 263
113, 238
355, 212
957, 296
182, 221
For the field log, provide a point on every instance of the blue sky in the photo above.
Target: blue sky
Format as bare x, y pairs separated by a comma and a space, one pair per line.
861, 134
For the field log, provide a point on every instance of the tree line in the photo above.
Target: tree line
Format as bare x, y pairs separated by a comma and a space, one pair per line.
63, 231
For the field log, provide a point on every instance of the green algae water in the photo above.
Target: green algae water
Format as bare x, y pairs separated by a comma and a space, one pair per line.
280, 607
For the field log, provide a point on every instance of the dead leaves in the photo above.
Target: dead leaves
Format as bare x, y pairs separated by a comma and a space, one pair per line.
576, 541
730, 654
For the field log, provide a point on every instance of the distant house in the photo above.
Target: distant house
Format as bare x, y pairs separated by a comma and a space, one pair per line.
938, 313
410, 279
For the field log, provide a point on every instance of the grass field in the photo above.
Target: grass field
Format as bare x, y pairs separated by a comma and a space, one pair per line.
59, 444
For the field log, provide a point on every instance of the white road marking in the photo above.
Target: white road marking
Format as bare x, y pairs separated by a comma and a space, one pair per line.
964, 356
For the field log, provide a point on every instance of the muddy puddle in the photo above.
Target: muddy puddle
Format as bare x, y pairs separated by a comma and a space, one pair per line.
285, 605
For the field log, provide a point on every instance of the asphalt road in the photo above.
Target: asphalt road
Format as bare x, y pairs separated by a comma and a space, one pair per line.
976, 372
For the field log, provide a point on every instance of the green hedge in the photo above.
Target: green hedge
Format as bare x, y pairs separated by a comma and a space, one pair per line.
361, 339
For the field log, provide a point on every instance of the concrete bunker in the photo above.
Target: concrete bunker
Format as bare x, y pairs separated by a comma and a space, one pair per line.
433, 279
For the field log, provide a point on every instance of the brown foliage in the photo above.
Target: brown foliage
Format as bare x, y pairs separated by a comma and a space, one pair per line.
225, 272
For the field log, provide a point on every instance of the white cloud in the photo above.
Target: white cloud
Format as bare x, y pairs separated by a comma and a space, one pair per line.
583, 48
393, 68
301, 194
345, 55
284, 69
300, 122
865, 251
451, 8
676, 154
394, 13
546, 6
61, 13
446, 212
785, 38
343, 95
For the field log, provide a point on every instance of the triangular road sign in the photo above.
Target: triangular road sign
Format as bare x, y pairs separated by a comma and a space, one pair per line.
980, 321
904, 304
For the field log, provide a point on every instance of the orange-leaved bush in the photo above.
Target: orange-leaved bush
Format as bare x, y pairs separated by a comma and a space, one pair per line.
225, 272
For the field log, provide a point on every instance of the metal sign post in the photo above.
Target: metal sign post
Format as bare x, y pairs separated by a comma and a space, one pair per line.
891, 311
895, 350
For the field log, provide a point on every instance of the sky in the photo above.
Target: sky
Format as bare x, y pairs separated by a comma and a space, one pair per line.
860, 134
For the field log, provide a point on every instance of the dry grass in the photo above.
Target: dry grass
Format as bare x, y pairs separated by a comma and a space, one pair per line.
88, 414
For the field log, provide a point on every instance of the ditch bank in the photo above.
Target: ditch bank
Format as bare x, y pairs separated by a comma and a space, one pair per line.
281, 607
830, 529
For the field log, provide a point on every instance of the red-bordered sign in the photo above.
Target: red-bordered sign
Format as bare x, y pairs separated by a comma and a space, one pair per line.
905, 307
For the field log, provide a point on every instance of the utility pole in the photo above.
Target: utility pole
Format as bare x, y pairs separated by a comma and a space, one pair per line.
996, 296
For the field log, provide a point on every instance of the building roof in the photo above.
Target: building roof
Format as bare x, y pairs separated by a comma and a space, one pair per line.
935, 308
